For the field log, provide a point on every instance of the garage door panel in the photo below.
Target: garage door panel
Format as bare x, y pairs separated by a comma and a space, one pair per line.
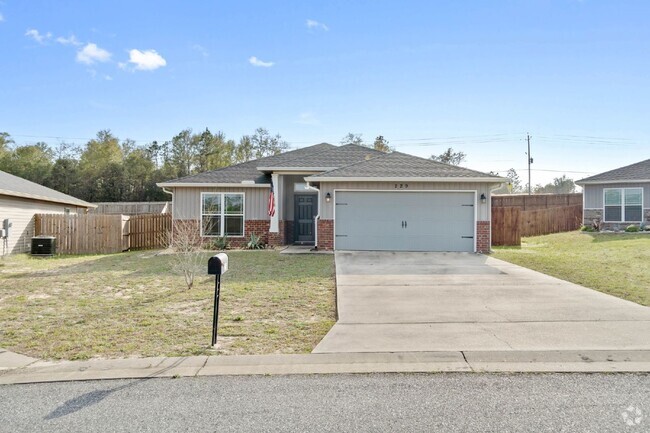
435, 221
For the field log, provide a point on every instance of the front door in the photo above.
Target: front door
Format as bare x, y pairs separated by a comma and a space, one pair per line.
304, 212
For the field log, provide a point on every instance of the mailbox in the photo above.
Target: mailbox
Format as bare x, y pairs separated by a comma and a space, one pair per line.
218, 264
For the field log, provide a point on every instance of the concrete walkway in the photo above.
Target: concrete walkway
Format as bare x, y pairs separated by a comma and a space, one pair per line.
341, 363
409, 302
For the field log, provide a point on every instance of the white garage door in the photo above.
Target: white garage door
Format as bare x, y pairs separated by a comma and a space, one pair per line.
404, 221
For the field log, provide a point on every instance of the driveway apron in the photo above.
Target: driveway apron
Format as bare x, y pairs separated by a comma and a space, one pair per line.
412, 302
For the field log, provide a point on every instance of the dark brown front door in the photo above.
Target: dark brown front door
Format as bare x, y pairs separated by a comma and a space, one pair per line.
304, 212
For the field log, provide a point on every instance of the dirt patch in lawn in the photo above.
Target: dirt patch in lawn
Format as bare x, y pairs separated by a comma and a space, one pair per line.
130, 304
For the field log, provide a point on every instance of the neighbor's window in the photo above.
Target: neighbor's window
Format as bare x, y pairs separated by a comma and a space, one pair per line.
222, 214
624, 204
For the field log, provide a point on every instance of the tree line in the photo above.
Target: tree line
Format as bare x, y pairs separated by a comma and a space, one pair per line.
109, 169
559, 185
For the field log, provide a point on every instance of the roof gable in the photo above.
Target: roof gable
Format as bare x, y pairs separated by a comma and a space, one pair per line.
401, 165
639, 171
18, 187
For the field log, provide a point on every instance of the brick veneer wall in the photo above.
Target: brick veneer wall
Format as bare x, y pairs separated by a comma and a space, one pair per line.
278, 238
259, 227
483, 236
325, 234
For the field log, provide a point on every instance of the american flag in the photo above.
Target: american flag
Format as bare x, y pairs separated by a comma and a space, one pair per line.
271, 201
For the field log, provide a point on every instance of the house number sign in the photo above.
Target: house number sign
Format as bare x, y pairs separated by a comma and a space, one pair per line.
401, 185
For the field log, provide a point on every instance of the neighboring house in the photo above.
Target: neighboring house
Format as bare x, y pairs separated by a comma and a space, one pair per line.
619, 197
20, 199
341, 197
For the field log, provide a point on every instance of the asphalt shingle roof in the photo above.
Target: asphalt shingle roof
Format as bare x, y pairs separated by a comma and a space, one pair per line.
248, 170
18, 187
331, 158
397, 164
350, 160
632, 172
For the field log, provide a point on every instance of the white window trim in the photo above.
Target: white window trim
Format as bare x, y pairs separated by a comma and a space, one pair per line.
223, 214
622, 189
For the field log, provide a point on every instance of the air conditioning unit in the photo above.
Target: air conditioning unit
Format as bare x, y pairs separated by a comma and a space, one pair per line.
43, 246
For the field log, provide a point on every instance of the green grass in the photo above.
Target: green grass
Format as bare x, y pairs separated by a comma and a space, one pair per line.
131, 305
617, 264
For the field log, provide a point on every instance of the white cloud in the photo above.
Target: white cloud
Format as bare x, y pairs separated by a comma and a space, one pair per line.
147, 60
259, 63
313, 24
201, 49
108, 78
2, 18
37, 36
91, 53
308, 118
71, 40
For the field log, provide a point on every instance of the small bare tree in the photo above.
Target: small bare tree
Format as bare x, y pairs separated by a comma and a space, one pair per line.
187, 258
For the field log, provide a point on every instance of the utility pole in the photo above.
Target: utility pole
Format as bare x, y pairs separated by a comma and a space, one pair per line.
530, 161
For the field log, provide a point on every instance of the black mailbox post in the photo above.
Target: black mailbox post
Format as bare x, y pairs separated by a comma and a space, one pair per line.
217, 265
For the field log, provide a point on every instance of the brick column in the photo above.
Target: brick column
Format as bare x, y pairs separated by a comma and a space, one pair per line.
482, 236
325, 234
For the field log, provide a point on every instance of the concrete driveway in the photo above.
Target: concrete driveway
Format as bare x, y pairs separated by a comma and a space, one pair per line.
402, 302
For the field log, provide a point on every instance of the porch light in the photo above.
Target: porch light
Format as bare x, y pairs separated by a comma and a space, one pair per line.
328, 197
483, 198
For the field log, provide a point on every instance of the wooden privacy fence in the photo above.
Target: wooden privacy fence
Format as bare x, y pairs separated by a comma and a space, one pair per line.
536, 201
510, 224
149, 231
103, 234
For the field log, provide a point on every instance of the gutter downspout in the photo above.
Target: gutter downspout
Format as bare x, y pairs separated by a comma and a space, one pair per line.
171, 237
317, 217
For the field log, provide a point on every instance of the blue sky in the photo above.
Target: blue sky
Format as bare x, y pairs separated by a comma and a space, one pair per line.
473, 75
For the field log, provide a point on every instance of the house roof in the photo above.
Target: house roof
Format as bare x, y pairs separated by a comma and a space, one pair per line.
329, 163
401, 166
247, 171
18, 187
329, 159
638, 172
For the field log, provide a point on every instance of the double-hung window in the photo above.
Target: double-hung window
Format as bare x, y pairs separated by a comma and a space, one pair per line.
222, 214
623, 204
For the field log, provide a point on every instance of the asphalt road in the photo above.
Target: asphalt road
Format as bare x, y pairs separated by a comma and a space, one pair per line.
336, 403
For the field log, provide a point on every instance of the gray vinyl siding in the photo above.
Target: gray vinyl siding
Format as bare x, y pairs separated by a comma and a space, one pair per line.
21, 211
483, 209
288, 182
187, 202
593, 194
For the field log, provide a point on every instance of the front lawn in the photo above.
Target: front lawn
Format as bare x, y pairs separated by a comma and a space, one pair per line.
617, 264
131, 305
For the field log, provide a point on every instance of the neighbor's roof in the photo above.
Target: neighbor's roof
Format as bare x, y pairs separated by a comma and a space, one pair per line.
18, 187
639, 172
401, 166
246, 171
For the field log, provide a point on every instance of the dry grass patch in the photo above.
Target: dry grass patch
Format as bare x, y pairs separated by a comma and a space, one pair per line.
130, 304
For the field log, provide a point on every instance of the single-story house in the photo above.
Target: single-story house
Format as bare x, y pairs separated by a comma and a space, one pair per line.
20, 200
617, 198
346, 197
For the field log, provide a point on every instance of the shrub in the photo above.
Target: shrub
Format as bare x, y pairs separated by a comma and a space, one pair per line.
220, 244
255, 242
632, 228
587, 229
